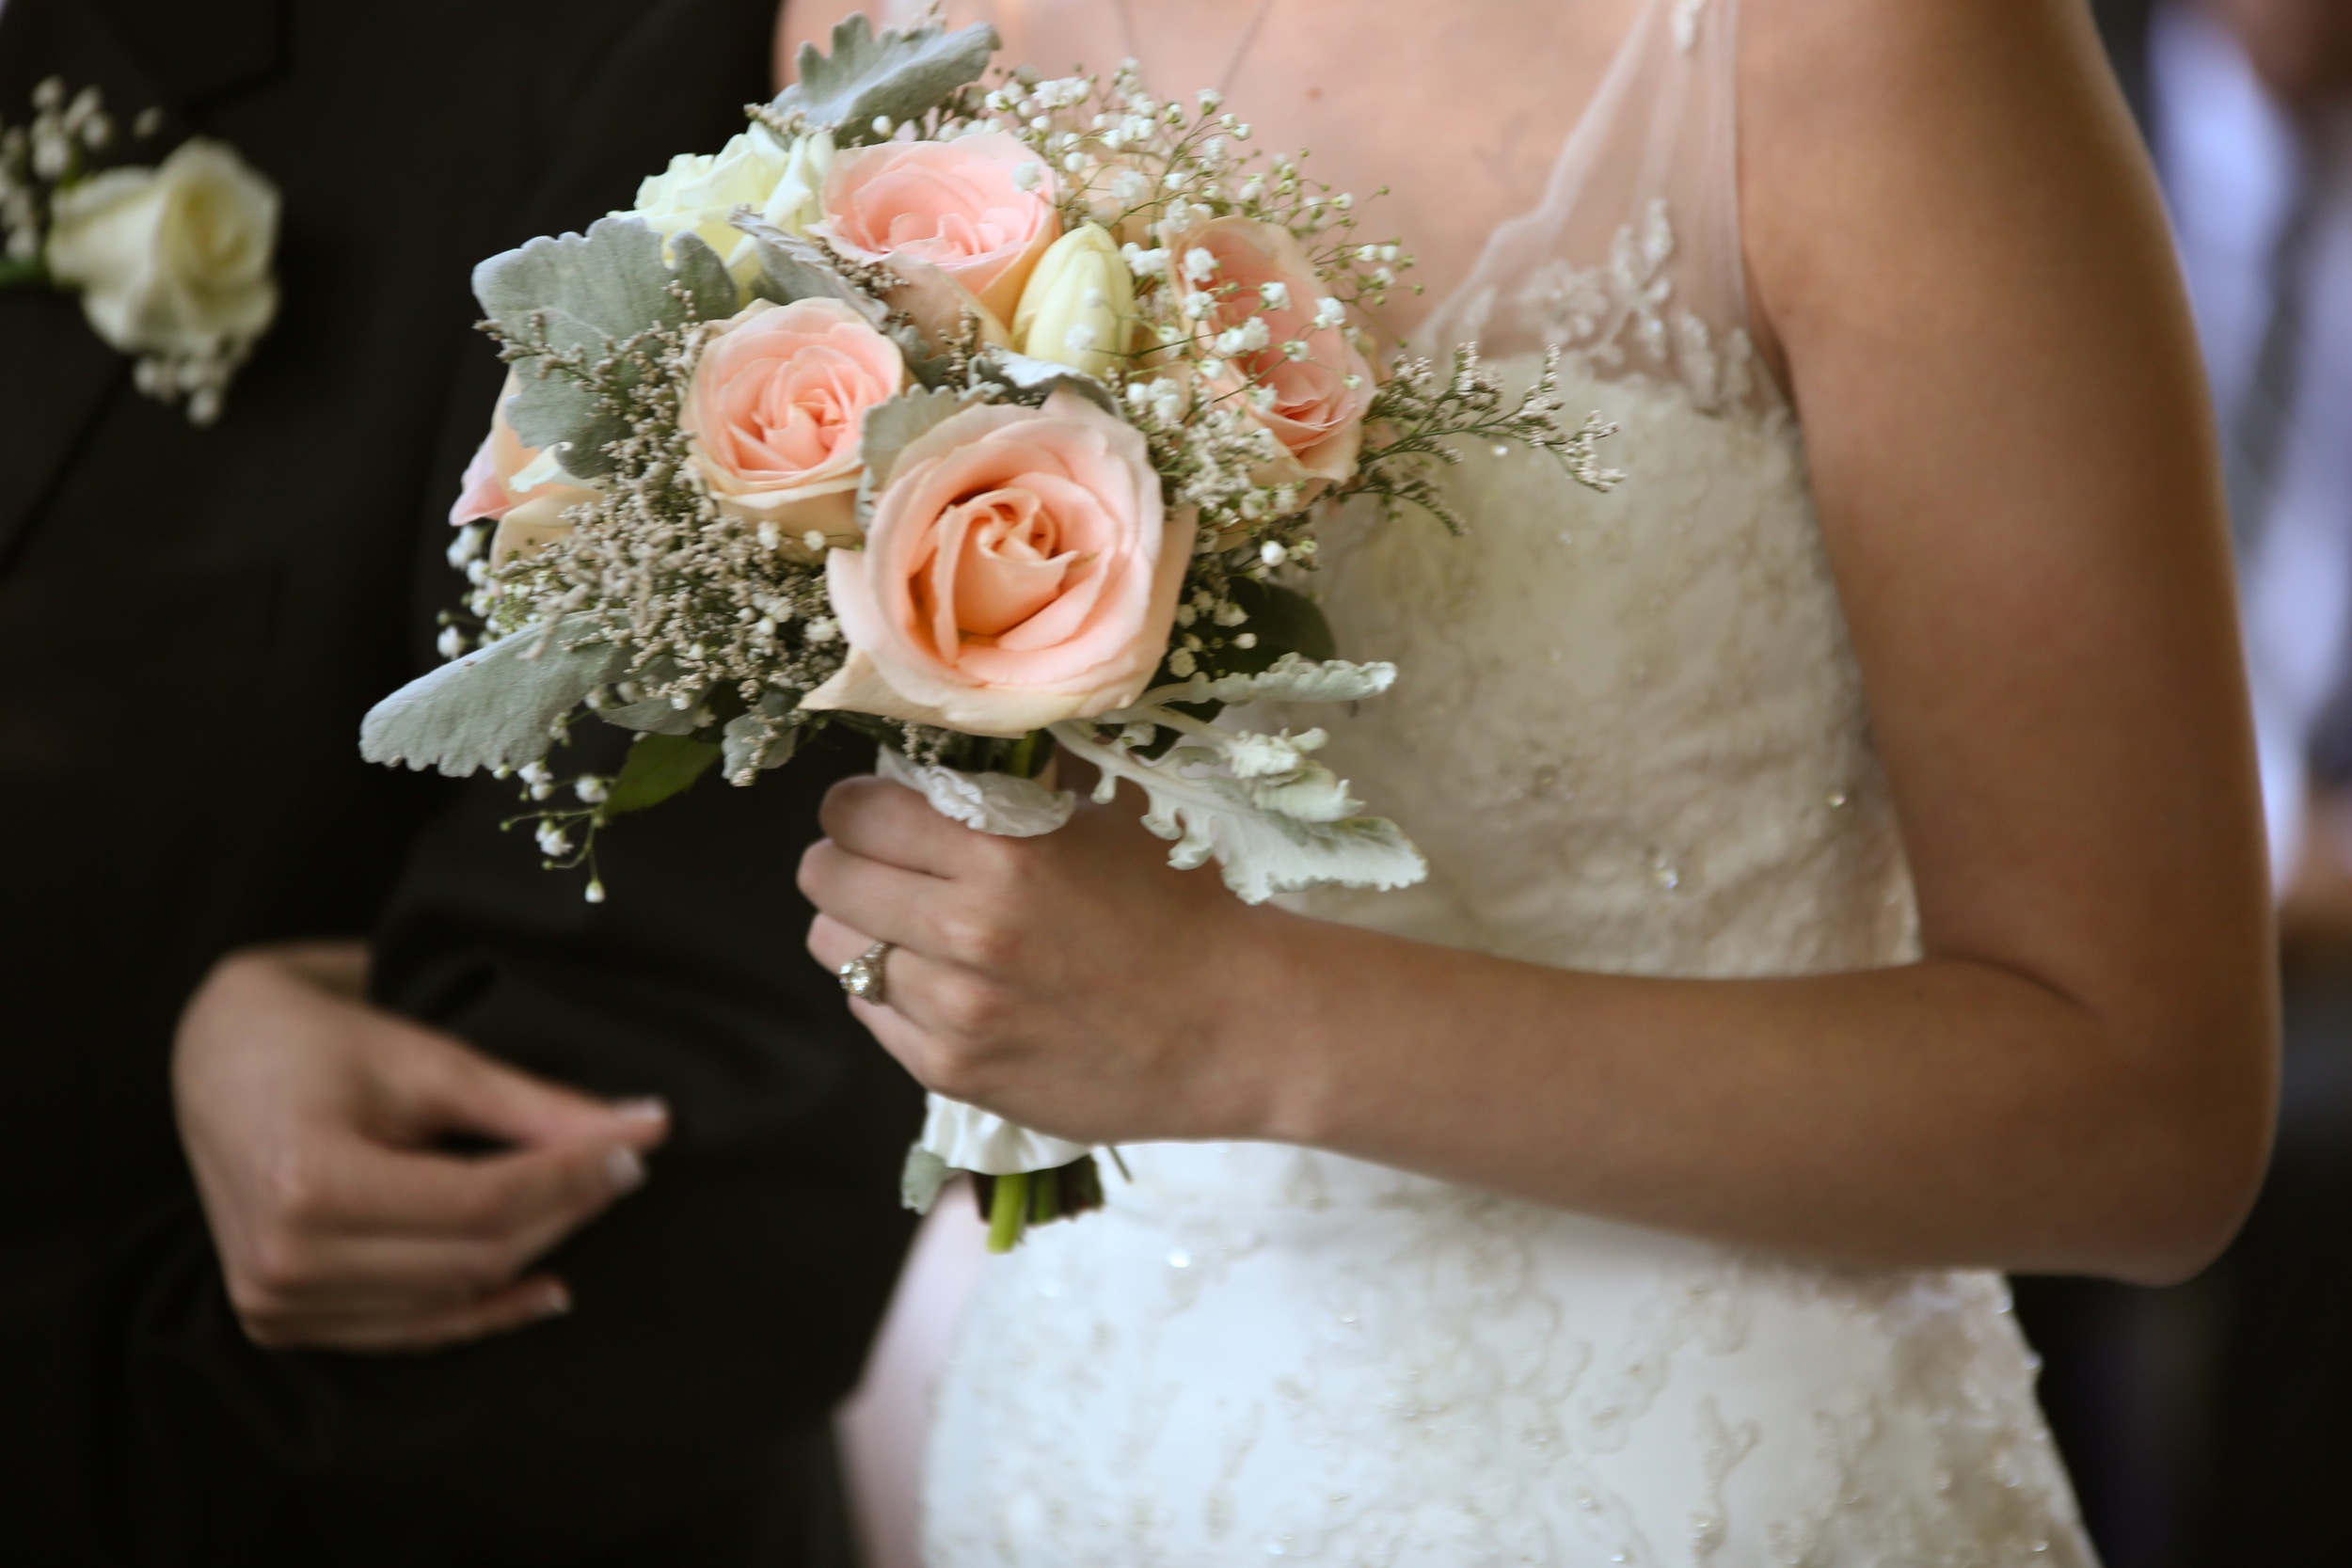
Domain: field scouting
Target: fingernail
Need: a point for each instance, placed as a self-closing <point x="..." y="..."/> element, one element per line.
<point x="622" y="1168"/>
<point x="651" y="1108"/>
<point x="553" y="1302"/>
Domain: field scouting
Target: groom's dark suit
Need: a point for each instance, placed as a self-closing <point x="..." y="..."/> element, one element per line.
<point x="191" y="623"/>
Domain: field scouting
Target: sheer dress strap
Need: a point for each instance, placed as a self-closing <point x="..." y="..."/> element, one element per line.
<point x="1632" y="264"/>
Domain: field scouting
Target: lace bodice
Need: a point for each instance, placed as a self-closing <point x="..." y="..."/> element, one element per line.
<point x="1629" y="736"/>
<point x="1628" y="733"/>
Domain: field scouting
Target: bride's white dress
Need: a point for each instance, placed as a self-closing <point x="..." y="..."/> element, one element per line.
<point x="1631" y="736"/>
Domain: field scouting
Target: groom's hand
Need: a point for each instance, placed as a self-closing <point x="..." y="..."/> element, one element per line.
<point x="320" y="1131"/>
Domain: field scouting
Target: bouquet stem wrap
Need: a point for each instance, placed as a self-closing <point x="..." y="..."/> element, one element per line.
<point x="1030" y="1177"/>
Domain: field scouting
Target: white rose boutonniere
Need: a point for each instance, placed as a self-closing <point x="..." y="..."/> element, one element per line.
<point x="172" y="262"/>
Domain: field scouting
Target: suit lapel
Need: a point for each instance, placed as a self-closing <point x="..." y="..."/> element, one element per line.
<point x="198" y="54"/>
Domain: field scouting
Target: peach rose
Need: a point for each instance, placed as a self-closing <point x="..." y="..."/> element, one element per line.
<point x="778" y="406"/>
<point x="501" y="488"/>
<point x="1316" y="416"/>
<point x="975" y="213"/>
<point x="1019" y="570"/>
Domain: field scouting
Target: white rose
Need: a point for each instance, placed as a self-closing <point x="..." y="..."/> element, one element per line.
<point x="699" y="192"/>
<point x="171" y="261"/>
<point x="1079" y="304"/>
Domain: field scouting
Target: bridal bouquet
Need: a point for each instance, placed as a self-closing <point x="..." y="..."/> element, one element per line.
<point x="992" y="415"/>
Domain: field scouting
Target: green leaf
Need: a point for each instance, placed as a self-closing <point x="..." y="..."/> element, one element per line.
<point x="659" y="767"/>
<point x="592" y="292"/>
<point x="903" y="75"/>
<point x="1284" y="620"/>
<point x="496" y="706"/>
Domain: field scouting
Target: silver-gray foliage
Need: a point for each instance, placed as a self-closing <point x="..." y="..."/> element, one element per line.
<point x="890" y="427"/>
<point x="495" y="707"/>
<point x="924" y="1175"/>
<point x="762" y="739"/>
<point x="1032" y="381"/>
<point x="903" y="75"/>
<point x="588" y="292"/>
<point x="792" y="268"/>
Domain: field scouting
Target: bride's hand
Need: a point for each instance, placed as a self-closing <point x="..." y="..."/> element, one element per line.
<point x="1072" y="982"/>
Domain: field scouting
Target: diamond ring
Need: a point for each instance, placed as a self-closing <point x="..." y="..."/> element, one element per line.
<point x="862" y="977"/>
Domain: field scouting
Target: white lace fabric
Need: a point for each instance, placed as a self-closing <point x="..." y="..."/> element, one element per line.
<point x="1629" y="736"/>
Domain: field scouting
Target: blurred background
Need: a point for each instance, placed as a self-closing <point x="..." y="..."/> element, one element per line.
<point x="2210" y="1424"/>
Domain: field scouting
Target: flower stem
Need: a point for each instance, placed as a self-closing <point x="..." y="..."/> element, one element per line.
<point x="1007" y="1213"/>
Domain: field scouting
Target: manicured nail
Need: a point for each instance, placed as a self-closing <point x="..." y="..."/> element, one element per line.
<point x="622" y="1168"/>
<point x="651" y="1108"/>
<point x="553" y="1302"/>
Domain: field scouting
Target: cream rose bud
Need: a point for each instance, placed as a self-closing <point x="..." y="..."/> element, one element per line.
<point x="700" y="192"/>
<point x="503" y="486"/>
<point x="777" y="411"/>
<point x="1019" y="570"/>
<point x="973" y="214"/>
<point x="1079" y="306"/>
<point x="1307" y="403"/>
<point x="171" y="260"/>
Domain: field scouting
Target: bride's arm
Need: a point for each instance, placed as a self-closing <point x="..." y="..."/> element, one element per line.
<point x="1960" y="252"/>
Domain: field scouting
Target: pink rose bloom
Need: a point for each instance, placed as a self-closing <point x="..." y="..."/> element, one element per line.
<point x="1318" y="417"/>
<point x="778" y="407"/>
<point x="948" y="213"/>
<point x="1019" y="570"/>
<point x="527" y="515"/>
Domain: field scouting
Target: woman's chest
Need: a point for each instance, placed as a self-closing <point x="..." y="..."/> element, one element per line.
<point x="1456" y="113"/>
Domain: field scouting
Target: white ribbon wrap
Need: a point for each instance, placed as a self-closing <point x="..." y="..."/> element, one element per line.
<point x="965" y="1137"/>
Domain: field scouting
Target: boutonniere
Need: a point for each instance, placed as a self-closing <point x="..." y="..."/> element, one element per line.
<point x="172" y="261"/>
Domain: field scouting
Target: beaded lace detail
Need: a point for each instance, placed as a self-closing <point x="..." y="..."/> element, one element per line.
<point x="1629" y="736"/>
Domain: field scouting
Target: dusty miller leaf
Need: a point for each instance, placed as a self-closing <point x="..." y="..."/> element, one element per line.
<point x="764" y="738"/>
<point x="1260" y="851"/>
<point x="496" y="706"/>
<point x="591" y="292"/>
<point x="793" y="268"/>
<point x="1291" y="678"/>
<point x="920" y="1180"/>
<point x="657" y="716"/>
<point x="903" y="75"/>
<point x="1032" y="381"/>
<point x="658" y="767"/>
<point x="888" y="430"/>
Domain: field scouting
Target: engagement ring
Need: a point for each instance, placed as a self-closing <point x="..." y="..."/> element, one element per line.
<point x="862" y="977"/>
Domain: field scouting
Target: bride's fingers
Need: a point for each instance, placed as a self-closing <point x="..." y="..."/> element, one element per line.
<point x="924" y="1005"/>
<point x="833" y="943"/>
<point x="890" y="823"/>
<point x="889" y="902"/>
